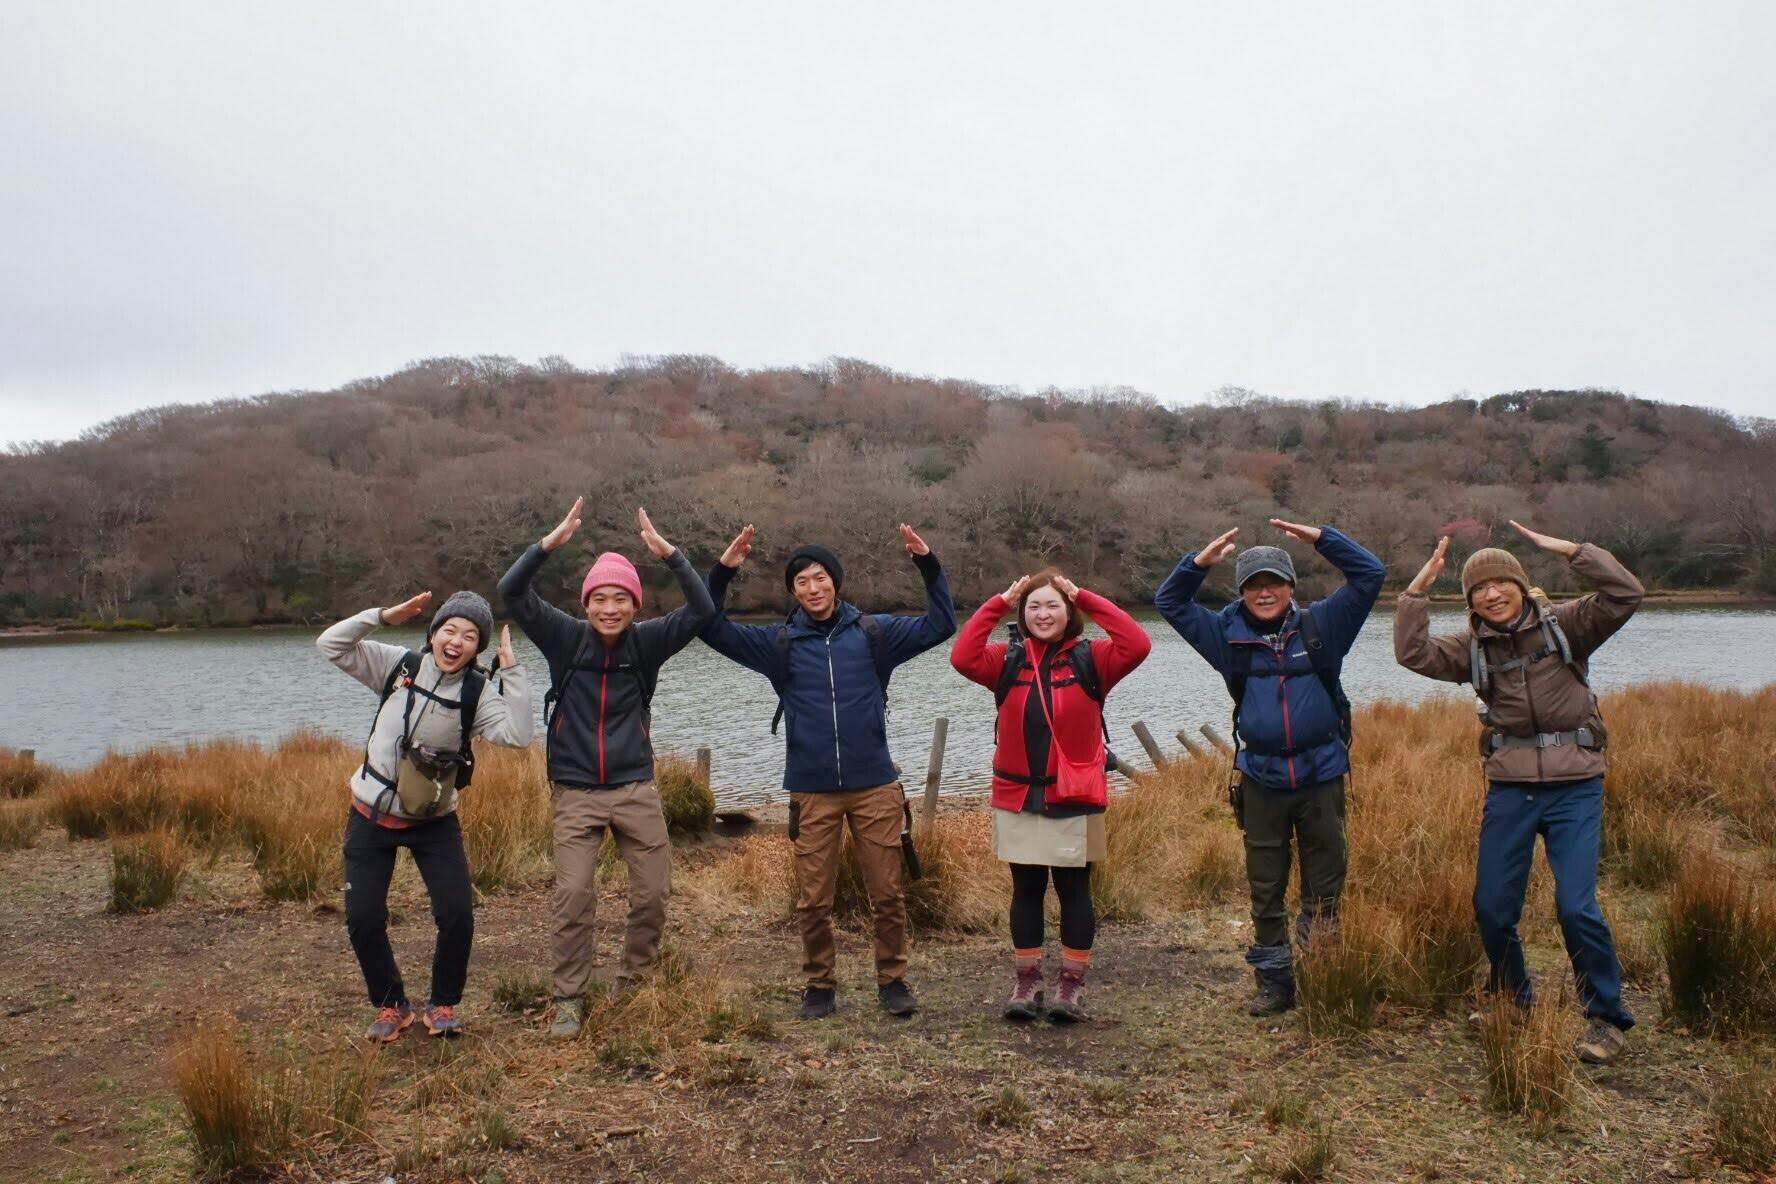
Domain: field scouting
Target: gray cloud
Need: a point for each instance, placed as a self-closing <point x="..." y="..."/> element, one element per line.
<point x="1368" y="200"/>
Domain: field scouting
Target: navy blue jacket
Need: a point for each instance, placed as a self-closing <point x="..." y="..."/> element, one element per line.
<point x="1288" y="723"/>
<point x="834" y="704"/>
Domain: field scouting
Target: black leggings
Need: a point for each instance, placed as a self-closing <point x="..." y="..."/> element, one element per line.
<point x="1029" y="888"/>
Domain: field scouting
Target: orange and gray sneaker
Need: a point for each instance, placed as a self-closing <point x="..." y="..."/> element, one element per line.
<point x="390" y="1022"/>
<point x="440" y="1020"/>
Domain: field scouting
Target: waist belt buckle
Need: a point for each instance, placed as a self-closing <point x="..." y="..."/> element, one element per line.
<point x="1549" y="740"/>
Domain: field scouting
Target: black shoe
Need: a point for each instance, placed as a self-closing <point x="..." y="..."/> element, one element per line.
<point x="896" y="998"/>
<point x="1270" y="1000"/>
<point x="817" y="1003"/>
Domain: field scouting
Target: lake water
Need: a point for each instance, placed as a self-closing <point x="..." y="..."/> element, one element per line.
<point x="73" y="697"/>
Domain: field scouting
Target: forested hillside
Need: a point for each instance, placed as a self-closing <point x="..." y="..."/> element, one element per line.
<point x="307" y="506"/>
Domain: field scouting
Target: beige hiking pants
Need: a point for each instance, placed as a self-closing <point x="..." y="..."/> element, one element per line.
<point x="632" y="814"/>
<point x="874" y="816"/>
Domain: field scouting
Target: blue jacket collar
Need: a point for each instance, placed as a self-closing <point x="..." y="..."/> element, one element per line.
<point x="801" y="626"/>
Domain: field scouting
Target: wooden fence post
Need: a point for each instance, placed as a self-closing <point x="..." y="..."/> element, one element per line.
<point x="1190" y="746"/>
<point x="1214" y="738"/>
<point x="703" y="765"/>
<point x="940" y="735"/>
<point x="1150" y="744"/>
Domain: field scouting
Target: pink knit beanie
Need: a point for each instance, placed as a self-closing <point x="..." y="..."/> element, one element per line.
<point x="612" y="569"/>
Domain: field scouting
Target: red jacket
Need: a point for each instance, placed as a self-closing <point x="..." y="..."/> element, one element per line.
<point x="1077" y="717"/>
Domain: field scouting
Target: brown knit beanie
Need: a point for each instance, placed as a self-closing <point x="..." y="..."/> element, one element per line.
<point x="1492" y="563"/>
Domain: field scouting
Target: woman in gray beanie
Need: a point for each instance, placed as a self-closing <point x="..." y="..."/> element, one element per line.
<point x="405" y="793"/>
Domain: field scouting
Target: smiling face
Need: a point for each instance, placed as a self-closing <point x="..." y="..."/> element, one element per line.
<point x="814" y="591"/>
<point x="1497" y="601"/>
<point x="1267" y="596"/>
<point x="1046" y="614"/>
<point x="610" y="609"/>
<point x="455" y="644"/>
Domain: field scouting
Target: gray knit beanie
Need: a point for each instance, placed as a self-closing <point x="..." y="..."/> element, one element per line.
<point x="471" y="607"/>
<point x="1254" y="560"/>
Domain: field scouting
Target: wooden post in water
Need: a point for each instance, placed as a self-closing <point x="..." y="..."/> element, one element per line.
<point x="30" y="754"/>
<point x="1150" y="744"/>
<point x="940" y="735"/>
<point x="703" y="765"/>
<point x="1214" y="738"/>
<point x="1190" y="746"/>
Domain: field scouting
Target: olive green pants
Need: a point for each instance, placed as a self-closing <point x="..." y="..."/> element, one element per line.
<point x="1314" y="816"/>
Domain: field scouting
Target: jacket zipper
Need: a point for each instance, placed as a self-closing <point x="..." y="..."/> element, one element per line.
<point x="832" y="684"/>
<point x="1282" y="652"/>
<point x="1535" y="726"/>
<point x="603" y="696"/>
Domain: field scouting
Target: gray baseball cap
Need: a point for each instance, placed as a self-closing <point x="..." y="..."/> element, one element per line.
<point x="1254" y="560"/>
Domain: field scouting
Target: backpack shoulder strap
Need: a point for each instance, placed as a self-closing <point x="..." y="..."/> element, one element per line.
<point x="407" y="667"/>
<point x="878" y="647"/>
<point x="552" y="698"/>
<point x="1015" y="661"/>
<point x="780" y="670"/>
<point x="1085" y="669"/>
<point x="1326" y="669"/>
<point x="474" y="683"/>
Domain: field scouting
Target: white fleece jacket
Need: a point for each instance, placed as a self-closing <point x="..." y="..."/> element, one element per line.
<point x="502" y="717"/>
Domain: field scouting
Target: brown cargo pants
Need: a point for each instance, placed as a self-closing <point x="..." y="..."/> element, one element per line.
<point x="632" y="814"/>
<point x="818" y="822"/>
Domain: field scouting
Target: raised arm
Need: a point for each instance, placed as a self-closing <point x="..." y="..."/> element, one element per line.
<point x="348" y="646"/>
<point x="975" y="656"/>
<point x="1593" y="618"/>
<point x="554" y="632"/>
<point x="753" y="646"/>
<point x="1341" y="615"/>
<point x="1128" y="644"/>
<point x="1444" y="658"/>
<point x="908" y="637"/>
<point x="504" y="717"/>
<point x="663" y="636"/>
<point x="1176" y="602"/>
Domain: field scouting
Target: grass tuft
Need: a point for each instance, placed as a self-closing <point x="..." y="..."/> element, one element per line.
<point x="1719" y="940"/>
<point x="1742" y="1118"/>
<point x="21" y="776"/>
<point x="146" y="870"/>
<point x="1341" y="975"/>
<point x="1530" y="1066"/>
<point x="20" y="824"/>
<point x="685" y="797"/>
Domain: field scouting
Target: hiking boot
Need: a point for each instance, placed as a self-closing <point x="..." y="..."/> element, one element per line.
<point x="1026" y="998"/>
<point x="390" y="1022"/>
<point x="1273" y="998"/>
<point x="896" y="998"/>
<point x="817" y="1003"/>
<point x="440" y="1020"/>
<point x="1602" y="1044"/>
<point x="1068" y="1006"/>
<point x="569" y="1015"/>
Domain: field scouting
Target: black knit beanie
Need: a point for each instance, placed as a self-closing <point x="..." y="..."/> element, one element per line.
<point x="811" y="554"/>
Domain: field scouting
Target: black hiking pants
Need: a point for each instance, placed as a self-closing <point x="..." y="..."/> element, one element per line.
<point x="1314" y="817"/>
<point x="437" y="850"/>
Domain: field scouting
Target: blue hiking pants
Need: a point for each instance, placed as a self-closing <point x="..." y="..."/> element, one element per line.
<point x="1569" y="817"/>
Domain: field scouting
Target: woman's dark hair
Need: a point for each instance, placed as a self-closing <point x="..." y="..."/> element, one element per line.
<point x="1045" y="579"/>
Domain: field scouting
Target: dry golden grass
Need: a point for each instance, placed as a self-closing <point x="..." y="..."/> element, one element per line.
<point x="1530" y="1067"/>
<point x="20" y="823"/>
<point x="1719" y="941"/>
<point x="21" y="776"/>
<point x="146" y="870"/>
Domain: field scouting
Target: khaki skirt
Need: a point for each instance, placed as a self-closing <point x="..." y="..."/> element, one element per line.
<point x="1048" y="842"/>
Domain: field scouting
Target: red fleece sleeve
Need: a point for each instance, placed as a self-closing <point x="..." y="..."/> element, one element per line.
<point x="1127" y="646"/>
<point x="972" y="656"/>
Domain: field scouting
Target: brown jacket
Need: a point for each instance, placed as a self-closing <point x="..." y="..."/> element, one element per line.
<point x="1545" y="696"/>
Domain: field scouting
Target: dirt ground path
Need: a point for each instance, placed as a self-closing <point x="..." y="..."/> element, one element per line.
<point x="1171" y="1081"/>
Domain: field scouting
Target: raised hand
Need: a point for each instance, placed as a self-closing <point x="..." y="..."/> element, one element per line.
<point x="401" y="613"/>
<point x="739" y="549"/>
<point x="1011" y="594"/>
<point x="1307" y="534"/>
<point x="1546" y="542"/>
<point x="1217" y="550"/>
<point x="507" y="659"/>
<point x="656" y="545"/>
<point x="566" y="530"/>
<point x="1427" y="575"/>
<point x="1066" y="587"/>
<point x="914" y="544"/>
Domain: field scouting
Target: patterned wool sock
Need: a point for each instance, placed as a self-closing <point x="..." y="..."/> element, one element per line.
<point x="1075" y="962"/>
<point x="1028" y="959"/>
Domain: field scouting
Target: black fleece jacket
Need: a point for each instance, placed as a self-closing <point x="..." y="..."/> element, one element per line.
<point x="598" y="736"/>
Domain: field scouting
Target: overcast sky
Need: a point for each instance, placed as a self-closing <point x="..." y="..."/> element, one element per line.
<point x="1391" y="201"/>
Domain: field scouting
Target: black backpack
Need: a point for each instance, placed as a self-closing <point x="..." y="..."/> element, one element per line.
<point x="1085" y="672"/>
<point x="872" y="632"/>
<point x="1324" y="668"/>
<point x="629" y="663"/>
<point x="474" y="682"/>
